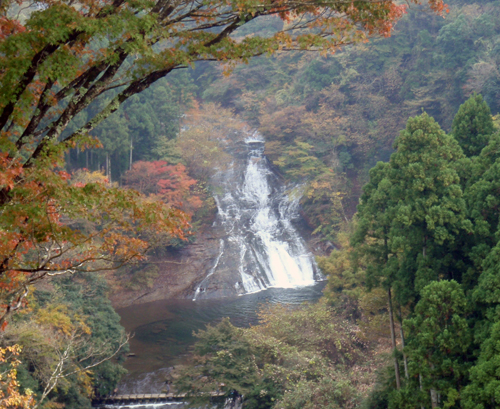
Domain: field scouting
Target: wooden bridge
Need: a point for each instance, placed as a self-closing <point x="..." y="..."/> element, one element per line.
<point x="148" y="398"/>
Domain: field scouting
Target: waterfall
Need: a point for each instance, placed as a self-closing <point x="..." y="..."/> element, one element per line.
<point x="259" y="246"/>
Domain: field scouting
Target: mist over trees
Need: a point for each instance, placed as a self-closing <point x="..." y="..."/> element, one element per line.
<point x="424" y="233"/>
<point x="107" y="147"/>
<point x="412" y="293"/>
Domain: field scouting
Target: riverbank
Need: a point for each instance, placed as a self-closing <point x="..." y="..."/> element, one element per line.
<point x="163" y="330"/>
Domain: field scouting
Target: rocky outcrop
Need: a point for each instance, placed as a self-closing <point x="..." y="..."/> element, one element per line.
<point x="256" y="240"/>
<point x="178" y="273"/>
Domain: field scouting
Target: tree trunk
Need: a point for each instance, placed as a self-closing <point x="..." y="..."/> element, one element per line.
<point x="131" y="148"/>
<point x="421" y="386"/>
<point x="405" y="360"/>
<point x="434" y="394"/>
<point x="108" y="173"/>
<point x="434" y="398"/>
<point x="393" y="339"/>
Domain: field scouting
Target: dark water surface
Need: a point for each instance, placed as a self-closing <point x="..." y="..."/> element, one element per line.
<point x="164" y="329"/>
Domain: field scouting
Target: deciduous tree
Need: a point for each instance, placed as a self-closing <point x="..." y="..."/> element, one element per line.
<point x="60" y="58"/>
<point x="50" y="226"/>
<point x="10" y="395"/>
<point x="170" y="183"/>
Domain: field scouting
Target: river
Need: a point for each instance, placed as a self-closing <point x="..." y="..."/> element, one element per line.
<point x="163" y="330"/>
<point x="262" y="259"/>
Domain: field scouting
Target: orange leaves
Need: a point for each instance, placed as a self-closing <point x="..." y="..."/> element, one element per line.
<point x="10" y="395"/>
<point x="170" y="183"/>
<point x="51" y="226"/>
<point x="10" y="170"/>
<point x="10" y="27"/>
<point x="395" y="12"/>
<point x="64" y="175"/>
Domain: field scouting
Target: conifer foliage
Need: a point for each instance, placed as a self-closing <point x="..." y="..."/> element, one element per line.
<point x="473" y="125"/>
<point x="59" y="58"/>
<point x="427" y="228"/>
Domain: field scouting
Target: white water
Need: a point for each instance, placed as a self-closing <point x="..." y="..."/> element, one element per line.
<point x="259" y="246"/>
<point x="162" y="405"/>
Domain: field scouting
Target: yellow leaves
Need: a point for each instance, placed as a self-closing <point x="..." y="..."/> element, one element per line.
<point x="82" y="177"/>
<point x="496" y="121"/>
<point x="10" y="395"/>
<point x="59" y="318"/>
<point x="85" y="381"/>
<point x="207" y="131"/>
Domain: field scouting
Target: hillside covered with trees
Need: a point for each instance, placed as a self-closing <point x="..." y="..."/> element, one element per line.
<point x="112" y="117"/>
<point x="418" y="268"/>
<point x="326" y="119"/>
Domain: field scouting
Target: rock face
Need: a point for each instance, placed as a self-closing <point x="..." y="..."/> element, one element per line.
<point x="178" y="273"/>
<point x="253" y="243"/>
<point x="259" y="246"/>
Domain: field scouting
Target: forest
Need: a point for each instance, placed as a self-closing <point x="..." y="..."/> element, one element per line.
<point x="419" y="258"/>
<point x="113" y="119"/>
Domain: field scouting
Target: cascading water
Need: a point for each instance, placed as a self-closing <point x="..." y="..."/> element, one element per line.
<point x="259" y="246"/>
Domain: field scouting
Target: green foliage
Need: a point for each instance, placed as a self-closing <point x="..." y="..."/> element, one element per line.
<point x="425" y="182"/>
<point x="147" y="124"/>
<point x="142" y="277"/>
<point x="349" y="107"/>
<point x="222" y="356"/>
<point x="427" y="226"/>
<point x="411" y="211"/>
<point x="473" y="125"/>
<point x="336" y="340"/>
<point x="346" y="279"/>
<point x="484" y="389"/>
<point x="438" y="339"/>
<point x="296" y="357"/>
<point x="79" y="321"/>
<point x="298" y="162"/>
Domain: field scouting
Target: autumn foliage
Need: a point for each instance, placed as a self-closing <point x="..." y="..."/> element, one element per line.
<point x="170" y="183"/>
<point x="52" y="71"/>
<point x="66" y="67"/>
<point x="52" y="226"/>
<point x="10" y="395"/>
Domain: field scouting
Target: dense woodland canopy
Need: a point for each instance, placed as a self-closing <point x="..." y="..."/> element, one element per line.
<point x="104" y="156"/>
<point x="420" y="258"/>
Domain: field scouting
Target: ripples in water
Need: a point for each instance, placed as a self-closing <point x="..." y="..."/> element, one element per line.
<point x="163" y="330"/>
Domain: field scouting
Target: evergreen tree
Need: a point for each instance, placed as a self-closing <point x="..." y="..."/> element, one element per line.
<point x="410" y="214"/>
<point x="486" y="296"/>
<point x="439" y="337"/>
<point x="372" y="239"/>
<point x="430" y="211"/>
<point x="487" y="157"/>
<point x="484" y="390"/>
<point x="472" y="125"/>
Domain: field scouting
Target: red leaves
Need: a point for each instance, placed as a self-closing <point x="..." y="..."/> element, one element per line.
<point x="171" y="183"/>
<point x="64" y="175"/>
<point x="9" y="27"/>
<point x="49" y="226"/>
<point x="10" y="170"/>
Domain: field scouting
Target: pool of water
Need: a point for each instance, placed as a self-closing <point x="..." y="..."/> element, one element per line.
<point x="163" y="330"/>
